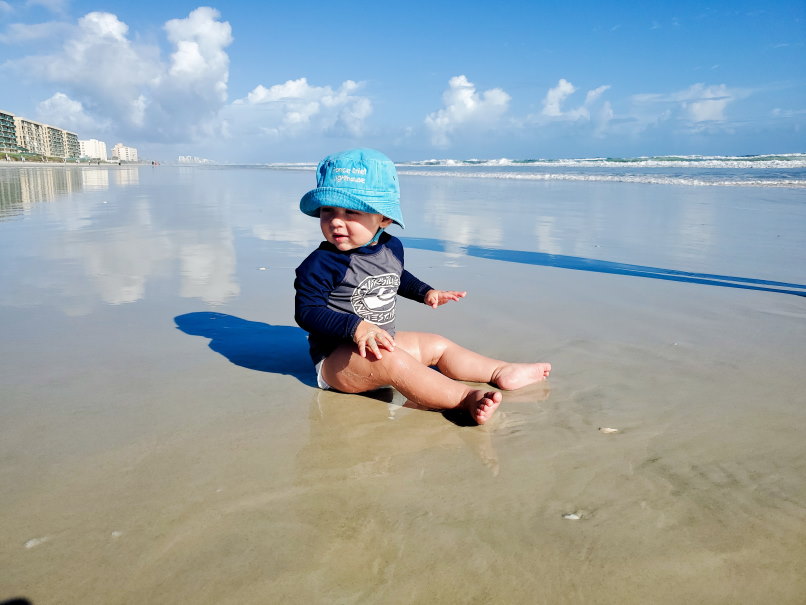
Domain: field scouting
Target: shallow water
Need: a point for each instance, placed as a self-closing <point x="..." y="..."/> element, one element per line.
<point x="161" y="440"/>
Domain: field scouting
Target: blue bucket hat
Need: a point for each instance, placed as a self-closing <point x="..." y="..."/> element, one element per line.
<point x="358" y="179"/>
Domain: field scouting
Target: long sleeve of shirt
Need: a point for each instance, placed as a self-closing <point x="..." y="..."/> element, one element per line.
<point x="316" y="279"/>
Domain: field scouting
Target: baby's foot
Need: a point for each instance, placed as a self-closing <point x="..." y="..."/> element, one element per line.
<point x="481" y="405"/>
<point x="512" y="376"/>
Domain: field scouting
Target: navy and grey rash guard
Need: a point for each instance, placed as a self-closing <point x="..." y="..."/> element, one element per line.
<point x="336" y="290"/>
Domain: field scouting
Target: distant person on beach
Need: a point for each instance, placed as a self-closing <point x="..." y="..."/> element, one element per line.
<point x="346" y="292"/>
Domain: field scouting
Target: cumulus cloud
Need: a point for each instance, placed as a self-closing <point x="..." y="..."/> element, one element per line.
<point x="296" y="107"/>
<point x="127" y="84"/>
<point x="706" y="103"/>
<point x="699" y="104"/>
<point x="195" y="83"/>
<point x="65" y="112"/>
<point x="465" y="108"/>
<point x="200" y="61"/>
<point x="555" y="98"/>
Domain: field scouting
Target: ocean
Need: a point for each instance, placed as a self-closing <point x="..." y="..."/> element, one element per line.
<point x="775" y="170"/>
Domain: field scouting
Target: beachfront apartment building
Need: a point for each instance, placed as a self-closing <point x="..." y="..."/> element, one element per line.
<point x="31" y="135"/>
<point x="124" y="153"/>
<point x="71" y="147"/>
<point x="21" y="135"/>
<point x="35" y="137"/>
<point x="8" y="133"/>
<point x="93" y="149"/>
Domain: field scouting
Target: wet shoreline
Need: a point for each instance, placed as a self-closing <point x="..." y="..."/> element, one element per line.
<point x="147" y="459"/>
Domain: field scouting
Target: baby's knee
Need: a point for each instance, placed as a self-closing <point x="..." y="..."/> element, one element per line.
<point x="394" y="368"/>
<point x="432" y="347"/>
<point x="394" y="363"/>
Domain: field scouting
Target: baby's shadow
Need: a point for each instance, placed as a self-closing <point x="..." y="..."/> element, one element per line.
<point x="252" y="344"/>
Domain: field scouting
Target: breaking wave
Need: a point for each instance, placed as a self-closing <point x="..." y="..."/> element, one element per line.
<point x="774" y="161"/>
<point x="614" y="178"/>
<point x="776" y="170"/>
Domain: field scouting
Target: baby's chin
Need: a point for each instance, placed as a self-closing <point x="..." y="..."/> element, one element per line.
<point x="342" y="243"/>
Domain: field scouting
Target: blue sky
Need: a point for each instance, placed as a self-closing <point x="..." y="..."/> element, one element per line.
<point x="269" y="82"/>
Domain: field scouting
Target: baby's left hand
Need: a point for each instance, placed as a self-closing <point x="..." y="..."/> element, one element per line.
<point x="435" y="298"/>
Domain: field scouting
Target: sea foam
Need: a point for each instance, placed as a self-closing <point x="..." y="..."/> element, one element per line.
<point x="613" y="178"/>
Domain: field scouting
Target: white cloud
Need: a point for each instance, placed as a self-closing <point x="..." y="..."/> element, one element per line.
<point x="593" y="95"/>
<point x="697" y="104"/>
<point x="5" y="7"/>
<point x="126" y="84"/>
<point x="100" y="66"/>
<point x="296" y="107"/>
<point x="200" y="60"/>
<point x="63" y="111"/>
<point x="603" y="119"/>
<point x="194" y="84"/>
<point x="465" y="107"/>
<point x="706" y="103"/>
<point x="555" y="97"/>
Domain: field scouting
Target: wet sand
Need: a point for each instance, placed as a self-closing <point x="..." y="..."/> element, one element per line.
<point x="161" y="440"/>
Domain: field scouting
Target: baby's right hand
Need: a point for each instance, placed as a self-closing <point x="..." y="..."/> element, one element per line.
<point x="435" y="298"/>
<point x="370" y="337"/>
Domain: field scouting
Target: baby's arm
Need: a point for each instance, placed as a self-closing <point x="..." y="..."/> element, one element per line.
<point x="435" y="298"/>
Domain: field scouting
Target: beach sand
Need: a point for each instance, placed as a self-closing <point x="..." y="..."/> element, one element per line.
<point x="161" y="440"/>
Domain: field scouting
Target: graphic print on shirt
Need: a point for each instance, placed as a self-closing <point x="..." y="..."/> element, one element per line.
<point x="374" y="298"/>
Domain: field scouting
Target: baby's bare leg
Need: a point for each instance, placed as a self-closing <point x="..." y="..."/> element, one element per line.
<point x="463" y="364"/>
<point x="347" y="371"/>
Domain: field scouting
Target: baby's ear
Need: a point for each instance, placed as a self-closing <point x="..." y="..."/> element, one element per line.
<point x="386" y="222"/>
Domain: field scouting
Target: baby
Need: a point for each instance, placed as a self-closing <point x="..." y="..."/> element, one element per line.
<point x="346" y="293"/>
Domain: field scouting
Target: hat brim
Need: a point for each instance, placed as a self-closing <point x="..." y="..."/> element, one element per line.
<point x="312" y="201"/>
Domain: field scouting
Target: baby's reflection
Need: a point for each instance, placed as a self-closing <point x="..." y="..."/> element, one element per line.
<point x="369" y="433"/>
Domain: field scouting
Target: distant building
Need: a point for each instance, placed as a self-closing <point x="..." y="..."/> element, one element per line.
<point x="192" y="159"/>
<point x="57" y="142"/>
<point x="73" y="148"/>
<point x="31" y="136"/>
<point x="93" y="149"/>
<point x="123" y="153"/>
<point x="35" y="137"/>
<point x="8" y="133"/>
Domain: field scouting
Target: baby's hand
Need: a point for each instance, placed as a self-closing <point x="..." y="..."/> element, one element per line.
<point x="435" y="298"/>
<point x="370" y="337"/>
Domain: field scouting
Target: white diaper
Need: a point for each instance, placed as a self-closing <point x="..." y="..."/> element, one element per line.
<point x="320" y="382"/>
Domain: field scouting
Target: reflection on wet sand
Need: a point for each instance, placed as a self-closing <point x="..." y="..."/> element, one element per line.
<point x="126" y="175"/>
<point x="95" y="179"/>
<point x="23" y="187"/>
<point x="110" y="248"/>
<point x="339" y="420"/>
<point x="20" y="188"/>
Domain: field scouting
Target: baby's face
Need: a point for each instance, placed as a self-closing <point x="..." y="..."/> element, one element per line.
<point x="349" y="229"/>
